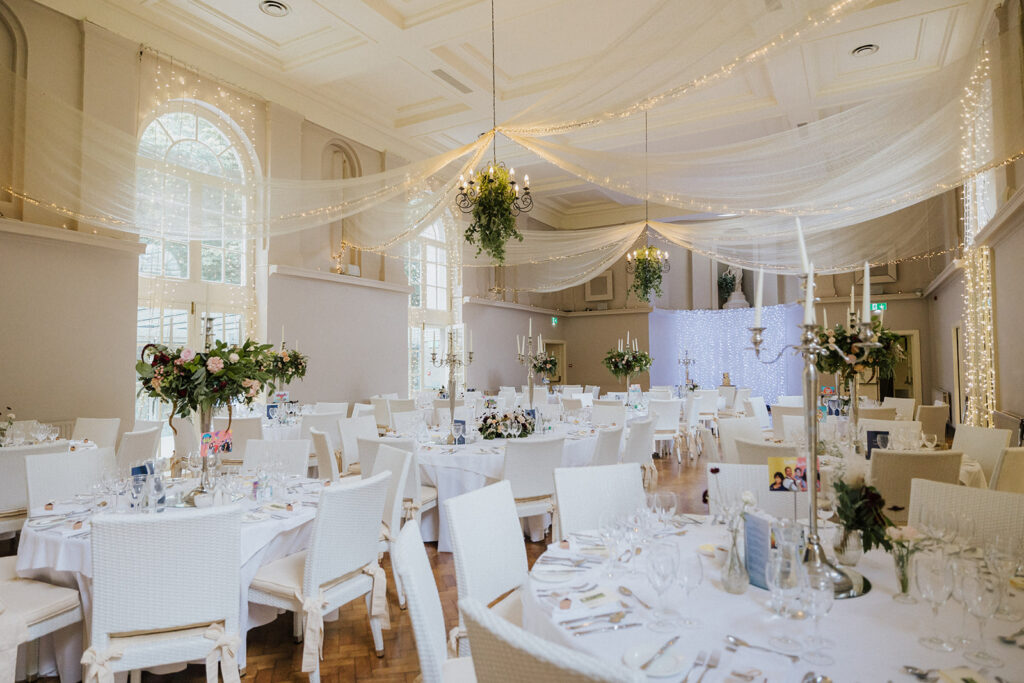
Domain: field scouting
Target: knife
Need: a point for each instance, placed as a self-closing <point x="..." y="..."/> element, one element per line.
<point x="670" y="643"/>
<point x="615" y="627"/>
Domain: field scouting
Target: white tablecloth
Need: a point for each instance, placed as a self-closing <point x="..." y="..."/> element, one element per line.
<point x="455" y="470"/>
<point x="52" y="556"/>
<point x="875" y="636"/>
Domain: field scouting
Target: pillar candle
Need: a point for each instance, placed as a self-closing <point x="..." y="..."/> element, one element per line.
<point x="809" y="297"/>
<point x="759" y="297"/>
<point x="866" y="315"/>
<point x="804" y="263"/>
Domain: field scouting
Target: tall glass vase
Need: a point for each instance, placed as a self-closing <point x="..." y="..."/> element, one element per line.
<point x="853" y="426"/>
<point x="735" y="578"/>
<point x="205" y="485"/>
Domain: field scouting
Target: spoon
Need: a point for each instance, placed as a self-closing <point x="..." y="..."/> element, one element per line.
<point x="630" y="594"/>
<point x="739" y="642"/>
<point x="921" y="674"/>
<point x="612" y="619"/>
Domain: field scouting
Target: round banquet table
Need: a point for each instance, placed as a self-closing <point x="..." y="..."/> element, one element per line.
<point x="455" y="470"/>
<point x="874" y="635"/>
<point x="63" y="556"/>
<point x="281" y="431"/>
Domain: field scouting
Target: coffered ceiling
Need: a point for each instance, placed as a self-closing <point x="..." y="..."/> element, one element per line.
<point x="414" y="76"/>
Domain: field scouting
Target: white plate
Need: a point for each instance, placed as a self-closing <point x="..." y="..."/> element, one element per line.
<point x="670" y="663"/>
<point x="553" y="575"/>
<point x="255" y="516"/>
<point x="46" y="522"/>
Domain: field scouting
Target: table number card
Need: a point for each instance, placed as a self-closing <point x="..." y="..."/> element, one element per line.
<point x="757" y="543"/>
<point x="461" y="441"/>
<point x="532" y="414"/>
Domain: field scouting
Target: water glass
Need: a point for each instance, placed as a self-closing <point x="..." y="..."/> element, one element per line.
<point x="156" y="493"/>
<point x="665" y="506"/>
<point x="935" y="583"/>
<point x="662" y="562"/>
<point x="930" y="440"/>
<point x="691" y="575"/>
<point x="981" y="594"/>
<point x="137" y="488"/>
<point x="820" y="598"/>
<point x="515" y="427"/>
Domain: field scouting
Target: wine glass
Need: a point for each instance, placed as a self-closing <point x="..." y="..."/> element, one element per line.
<point x="691" y="574"/>
<point x="772" y="572"/>
<point x="1001" y="558"/>
<point x="665" y="506"/>
<point x="820" y="598"/>
<point x="195" y="462"/>
<point x="662" y="567"/>
<point x="935" y="583"/>
<point x="608" y="531"/>
<point x="930" y="440"/>
<point x="981" y="594"/>
<point x="120" y="489"/>
<point x="962" y="568"/>
<point x="515" y="427"/>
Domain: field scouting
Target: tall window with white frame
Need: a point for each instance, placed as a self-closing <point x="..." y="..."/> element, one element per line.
<point x="194" y="172"/>
<point x="430" y="308"/>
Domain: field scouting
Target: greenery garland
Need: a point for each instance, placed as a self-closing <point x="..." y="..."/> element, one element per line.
<point x="493" y="221"/>
<point x="627" y="363"/>
<point x="646" y="274"/>
<point x="881" y="361"/>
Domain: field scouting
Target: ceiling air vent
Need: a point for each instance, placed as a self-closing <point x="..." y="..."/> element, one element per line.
<point x="864" y="50"/>
<point x="274" y="8"/>
<point x="452" y="81"/>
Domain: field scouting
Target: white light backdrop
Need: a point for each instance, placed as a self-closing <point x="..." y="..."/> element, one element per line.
<point x="719" y="341"/>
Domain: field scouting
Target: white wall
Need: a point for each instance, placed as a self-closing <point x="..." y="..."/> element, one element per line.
<point x="945" y="308"/>
<point x="494" y="327"/>
<point x="67" y="324"/>
<point x="354" y="332"/>
<point x="1008" y="314"/>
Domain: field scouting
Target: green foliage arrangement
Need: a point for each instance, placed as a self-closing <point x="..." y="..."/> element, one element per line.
<point x="646" y="274"/>
<point x="726" y="284"/>
<point x="493" y="224"/>
<point x="880" y="361"/>
<point x="627" y="363"/>
<point x="861" y="507"/>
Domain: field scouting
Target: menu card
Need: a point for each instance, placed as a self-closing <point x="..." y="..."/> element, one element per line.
<point x="461" y="441"/>
<point x="757" y="544"/>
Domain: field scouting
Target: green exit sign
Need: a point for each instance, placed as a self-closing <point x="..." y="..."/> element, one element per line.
<point x="879" y="306"/>
<point x="554" y="320"/>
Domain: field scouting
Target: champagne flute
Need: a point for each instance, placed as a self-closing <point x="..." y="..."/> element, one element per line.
<point x="935" y="583"/>
<point x="1001" y="558"/>
<point x="662" y="562"/>
<point x="691" y="574"/>
<point x="982" y="595"/>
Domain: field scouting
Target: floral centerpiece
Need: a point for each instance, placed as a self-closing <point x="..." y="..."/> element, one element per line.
<point x="498" y="426"/>
<point x="283" y="366"/>
<point x="5" y="425"/>
<point x="625" y="364"/>
<point x="861" y="512"/>
<point x="494" y="222"/>
<point x="842" y="349"/>
<point x="546" y="365"/>
<point x="903" y="543"/>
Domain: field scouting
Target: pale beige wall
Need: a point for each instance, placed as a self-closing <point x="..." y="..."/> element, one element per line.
<point x="494" y="348"/>
<point x="1008" y="315"/>
<point x="588" y="338"/>
<point x="945" y="307"/>
<point x="67" y="325"/>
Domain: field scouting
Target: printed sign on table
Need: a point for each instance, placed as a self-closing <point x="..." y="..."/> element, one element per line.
<point x="216" y="442"/>
<point x="787" y="474"/>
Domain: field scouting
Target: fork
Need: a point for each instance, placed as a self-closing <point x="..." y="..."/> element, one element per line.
<point x="711" y="663"/>
<point x="702" y="657"/>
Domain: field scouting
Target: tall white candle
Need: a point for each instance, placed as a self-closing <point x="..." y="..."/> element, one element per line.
<point x="809" y="297"/>
<point x="282" y="328"/>
<point x="635" y="347"/>
<point x="866" y="315"/>
<point x="759" y="297"/>
<point x="804" y="263"/>
<point x="540" y="343"/>
<point x="627" y="339"/>
<point x="531" y="328"/>
<point x="620" y="344"/>
<point x="471" y="341"/>
<point x="824" y="312"/>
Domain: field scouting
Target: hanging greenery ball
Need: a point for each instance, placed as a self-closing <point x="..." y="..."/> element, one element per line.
<point x="493" y="224"/>
<point x="646" y="273"/>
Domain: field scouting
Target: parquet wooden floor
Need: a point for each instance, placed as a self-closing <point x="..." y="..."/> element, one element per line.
<point x="348" y="648"/>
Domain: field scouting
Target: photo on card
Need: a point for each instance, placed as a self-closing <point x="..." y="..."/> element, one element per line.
<point x="787" y="474"/>
<point x="216" y="442"/>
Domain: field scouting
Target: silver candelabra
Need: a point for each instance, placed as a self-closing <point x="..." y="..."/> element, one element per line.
<point x="846" y="582"/>
<point x="530" y="359"/>
<point x="686" y="362"/>
<point x="453" y="360"/>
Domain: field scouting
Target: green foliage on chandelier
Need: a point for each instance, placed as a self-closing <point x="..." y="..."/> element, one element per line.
<point x="627" y="363"/>
<point x="880" y="361"/>
<point x="646" y="274"/>
<point x="726" y="284"/>
<point x="493" y="222"/>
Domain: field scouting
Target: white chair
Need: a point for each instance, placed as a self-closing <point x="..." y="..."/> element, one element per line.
<point x="606" y="450"/>
<point x="739" y="402"/>
<point x="666" y="414"/>
<point x="611" y="399"/>
<point x="399" y="405"/>
<point x="437" y="663"/>
<point x="186" y="438"/>
<point x="339" y="566"/>
<point x="350" y="431"/>
<point x="706" y="405"/>
<point x="732" y="428"/>
<point x="729" y="483"/>
<point x="691" y="411"/>
<point x="1009" y="471"/>
<point x="658" y="395"/>
<point x="982" y="444"/>
<point x="326" y="460"/>
<point x="608" y="416"/>
<point x="36" y="609"/>
<point x="933" y="420"/>
<point x="757" y="452"/>
<point x="708" y="445"/>
<point x="399" y="463"/>
<point x="529" y="467"/>
<point x="755" y="407"/>
<point x="136" y="448"/>
<point x="638" y="449"/>
<point x="407" y="423"/>
<point x="586" y="493"/>
<point x="571" y="389"/>
<point x="13" y="488"/>
<point x="505" y="653"/>
<point x="243" y="429"/>
<point x="727" y="394"/>
<point x="489" y="552"/>
<point x="186" y="619"/>
<point x="662" y="387"/>
<point x="101" y="431"/>
<point x="790" y="401"/>
<point x="586" y="399"/>
<point x="417" y="497"/>
<point x="142" y="425"/>
<point x="380" y="411"/>
<point x="328" y="423"/>
<point x="59" y="476"/>
<point x="891" y="472"/>
<point x="327" y="407"/>
<point x="363" y="410"/>
<point x="293" y="454"/>
<point x="876" y="413"/>
<point x="904" y="406"/>
<point x="995" y="513"/>
<point x="593" y="390"/>
<point x="572" y="406"/>
<point x="779" y="413"/>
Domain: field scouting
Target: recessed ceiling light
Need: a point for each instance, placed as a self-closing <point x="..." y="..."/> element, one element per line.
<point x="274" y="8"/>
<point x="864" y="50"/>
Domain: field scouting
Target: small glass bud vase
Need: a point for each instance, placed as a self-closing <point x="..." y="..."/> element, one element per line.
<point x="902" y="557"/>
<point x="848" y="546"/>
<point x="735" y="578"/>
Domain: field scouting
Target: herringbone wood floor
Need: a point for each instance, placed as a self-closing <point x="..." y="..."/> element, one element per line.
<point x="348" y="648"/>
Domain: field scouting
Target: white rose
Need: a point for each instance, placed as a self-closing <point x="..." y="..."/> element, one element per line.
<point x="233" y="357"/>
<point x="748" y="499"/>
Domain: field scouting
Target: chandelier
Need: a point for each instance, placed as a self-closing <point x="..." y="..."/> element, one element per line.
<point x="648" y="257"/>
<point x="470" y="191"/>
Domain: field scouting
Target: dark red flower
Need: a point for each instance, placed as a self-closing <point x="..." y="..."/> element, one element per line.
<point x="715" y="470"/>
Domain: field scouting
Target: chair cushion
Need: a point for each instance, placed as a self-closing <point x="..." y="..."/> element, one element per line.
<point x="282" y="577"/>
<point x="428" y="493"/>
<point x="33" y="601"/>
<point x="510" y="607"/>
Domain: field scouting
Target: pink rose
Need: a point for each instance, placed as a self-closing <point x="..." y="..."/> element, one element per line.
<point x="187" y="354"/>
<point x="215" y="364"/>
